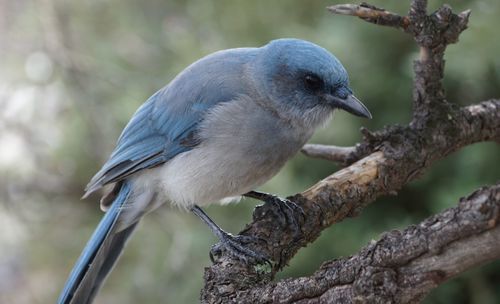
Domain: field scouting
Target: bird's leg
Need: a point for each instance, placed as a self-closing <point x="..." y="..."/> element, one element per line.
<point x="234" y="245"/>
<point x="285" y="210"/>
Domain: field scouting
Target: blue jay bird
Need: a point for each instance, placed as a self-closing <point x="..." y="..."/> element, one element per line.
<point x="221" y="128"/>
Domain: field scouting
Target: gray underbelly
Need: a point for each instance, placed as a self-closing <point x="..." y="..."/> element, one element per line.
<point x="211" y="173"/>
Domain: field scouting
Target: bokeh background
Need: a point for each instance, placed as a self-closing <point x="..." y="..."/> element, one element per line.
<point x="73" y="72"/>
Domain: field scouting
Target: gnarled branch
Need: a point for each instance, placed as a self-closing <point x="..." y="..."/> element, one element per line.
<point x="381" y="164"/>
<point x="403" y="266"/>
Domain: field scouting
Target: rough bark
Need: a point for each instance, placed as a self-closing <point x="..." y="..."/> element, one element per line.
<point x="403" y="266"/>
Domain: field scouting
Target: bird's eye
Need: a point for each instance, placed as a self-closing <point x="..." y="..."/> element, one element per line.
<point x="313" y="82"/>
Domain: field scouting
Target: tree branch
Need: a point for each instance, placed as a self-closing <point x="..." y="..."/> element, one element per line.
<point x="371" y="14"/>
<point x="432" y="34"/>
<point x="381" y="164"/>
<point x="403" y="266"/>
<point x="332" y="153"/>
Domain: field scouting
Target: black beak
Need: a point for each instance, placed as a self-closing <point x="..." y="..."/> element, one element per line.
<point x="350" y="104"/>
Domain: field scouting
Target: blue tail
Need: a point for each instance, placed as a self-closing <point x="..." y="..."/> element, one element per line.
<point x="98" y="256"/>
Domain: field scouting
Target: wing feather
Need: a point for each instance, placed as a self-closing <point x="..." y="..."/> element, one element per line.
<point x="166" y="124"/>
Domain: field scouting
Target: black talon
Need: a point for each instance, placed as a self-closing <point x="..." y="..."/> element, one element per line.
<point x="234" y="245"/>
<point x="285" y="210"/>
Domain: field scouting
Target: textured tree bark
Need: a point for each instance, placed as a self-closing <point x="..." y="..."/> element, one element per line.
<point x="403" y="266"/>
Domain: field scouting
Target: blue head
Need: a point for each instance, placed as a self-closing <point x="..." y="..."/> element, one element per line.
<point x="305" y="77"/>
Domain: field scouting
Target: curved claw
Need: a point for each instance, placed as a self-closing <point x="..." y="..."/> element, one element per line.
<point x="236" y="247"/>
<point x="287" y="211"/>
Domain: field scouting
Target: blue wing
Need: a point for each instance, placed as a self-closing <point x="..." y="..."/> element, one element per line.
<point x="166" y="124"/>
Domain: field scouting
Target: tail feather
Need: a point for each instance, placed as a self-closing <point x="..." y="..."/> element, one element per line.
<point x="101" y="266"/>
<point x="98" y="256"/>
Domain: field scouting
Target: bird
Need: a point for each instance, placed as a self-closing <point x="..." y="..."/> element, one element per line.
<point x="221" y="128"/>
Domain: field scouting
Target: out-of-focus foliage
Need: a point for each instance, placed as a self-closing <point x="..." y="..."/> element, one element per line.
<point x="73" y="72"/>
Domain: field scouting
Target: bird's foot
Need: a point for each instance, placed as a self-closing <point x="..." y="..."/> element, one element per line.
<point x="237" y="247"/>
<point x="286" y="211"/>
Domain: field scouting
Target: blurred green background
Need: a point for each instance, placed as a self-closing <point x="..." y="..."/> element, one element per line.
<point x="73" y="72"/>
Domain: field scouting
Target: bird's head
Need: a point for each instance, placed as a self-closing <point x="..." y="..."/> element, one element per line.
<point x="304" y="77"/>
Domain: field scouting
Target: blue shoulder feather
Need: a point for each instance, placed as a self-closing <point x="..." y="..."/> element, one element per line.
<point x="166" y="124"/>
